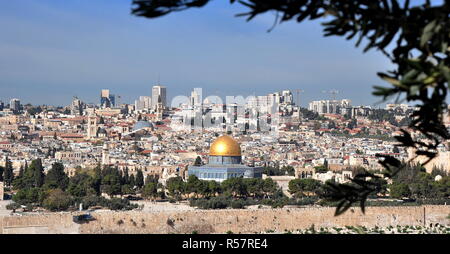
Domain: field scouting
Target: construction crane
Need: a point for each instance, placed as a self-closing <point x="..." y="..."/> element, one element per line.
<point x="333" y="93"/>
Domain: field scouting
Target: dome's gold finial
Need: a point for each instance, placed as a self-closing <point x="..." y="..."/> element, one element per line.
<point x="225" y="146"/>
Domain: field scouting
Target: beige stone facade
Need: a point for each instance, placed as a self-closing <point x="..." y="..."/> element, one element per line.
<point x="442" y="160"/>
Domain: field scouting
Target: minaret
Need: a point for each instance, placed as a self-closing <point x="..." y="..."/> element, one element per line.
<point x="105" y="155"/>
<point x="159" y="109"/>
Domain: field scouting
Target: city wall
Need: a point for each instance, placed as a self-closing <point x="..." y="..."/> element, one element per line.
<point x="222" y="221"/>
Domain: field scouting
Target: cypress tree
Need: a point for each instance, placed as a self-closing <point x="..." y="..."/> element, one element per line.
<point x="120" y="176"/>
<point x="126" y="176"/>
<point x="2" y="169"/>
<point x="198" y="161"/>
<point x="21" y="171"/>
<point x="38" y="173"/>
<point x="139" y="179"/>
<point x="8" y="174"/>
<point x="132" y="181"/>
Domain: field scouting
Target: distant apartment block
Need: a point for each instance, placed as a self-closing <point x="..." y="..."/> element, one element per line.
<point x="329" y="106"/>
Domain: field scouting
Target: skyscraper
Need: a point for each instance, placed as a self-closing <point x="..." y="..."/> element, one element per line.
<point x="14" y="105"/>
<point x="158" y="91"/>
<point x="76" y="108"/>
<point x="107" y="100"/>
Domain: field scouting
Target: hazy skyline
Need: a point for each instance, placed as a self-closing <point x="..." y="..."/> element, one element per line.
<point x="54" y="50"/>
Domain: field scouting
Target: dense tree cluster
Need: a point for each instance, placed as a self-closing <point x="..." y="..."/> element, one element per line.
<point x="34" y="110"/>
<point x="322" y="168"/>
<point x="304" y="187"/>
<point x="55" y="191"/>
<point x="310" y="115"/>
<point x="233" y="192"/>
<point x="382" y="115"/>
<point x="277" y="171"/>
<point x="414" y="182"/>
<point x="233" y="187"/>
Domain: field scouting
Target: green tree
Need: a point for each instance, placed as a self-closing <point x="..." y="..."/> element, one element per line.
<point x="139" y="179"/>
<point x="325" y="164"/>
<point x="308" y="114"/>
<point x="56" y="178"/>
<point x="176" y="187"/>
<point x="234" y="186"/>
<point x="198" y="161"/>
<point x="269" y="187"/>
<point x="150" y="190"/>
<point x="110" y="183"/>
<point x="399" y="190"/>
<point x="194" y="185"/>
<point x="304" y="187"/>
<point x="8" y="172"/>
<point x="321" y="169"/>
<point x="126" y="176"/>
<point x="254" y="186"/>
<point x="34" y="110"/>
<point x="22" y="170"/>
<point x="37" y="172"/>
<point x="288" y="170"/>
<point x="57" y="200"/>
<point x="81" y="185"/>
<point x="151" y="179"/>
<point x="27" y="196"/>
<point x="132" y="181"/>
<point x="2" y="169"/>
<point x="213" y="188"/>
<point x="32" y="176"/>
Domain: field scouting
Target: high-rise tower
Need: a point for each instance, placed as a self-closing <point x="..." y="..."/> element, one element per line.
<point x="159" y="91"/>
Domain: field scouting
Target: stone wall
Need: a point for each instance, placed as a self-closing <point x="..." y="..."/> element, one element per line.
<point x="221" y="221"/>
<point x="54" y="223"/>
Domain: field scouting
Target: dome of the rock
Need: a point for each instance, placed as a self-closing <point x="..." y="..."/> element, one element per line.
<point x="225" y="146"/>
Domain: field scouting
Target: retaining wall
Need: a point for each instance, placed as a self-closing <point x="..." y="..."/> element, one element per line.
<point x="221" y="221"/>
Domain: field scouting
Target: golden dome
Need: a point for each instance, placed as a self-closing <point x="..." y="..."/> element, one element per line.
<point x="225" y="146"/>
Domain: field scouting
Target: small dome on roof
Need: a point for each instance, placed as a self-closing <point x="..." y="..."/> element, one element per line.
<point x="141" y="125"/>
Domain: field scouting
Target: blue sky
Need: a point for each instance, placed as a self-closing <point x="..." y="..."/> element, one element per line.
<point x="51" y="50"/>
